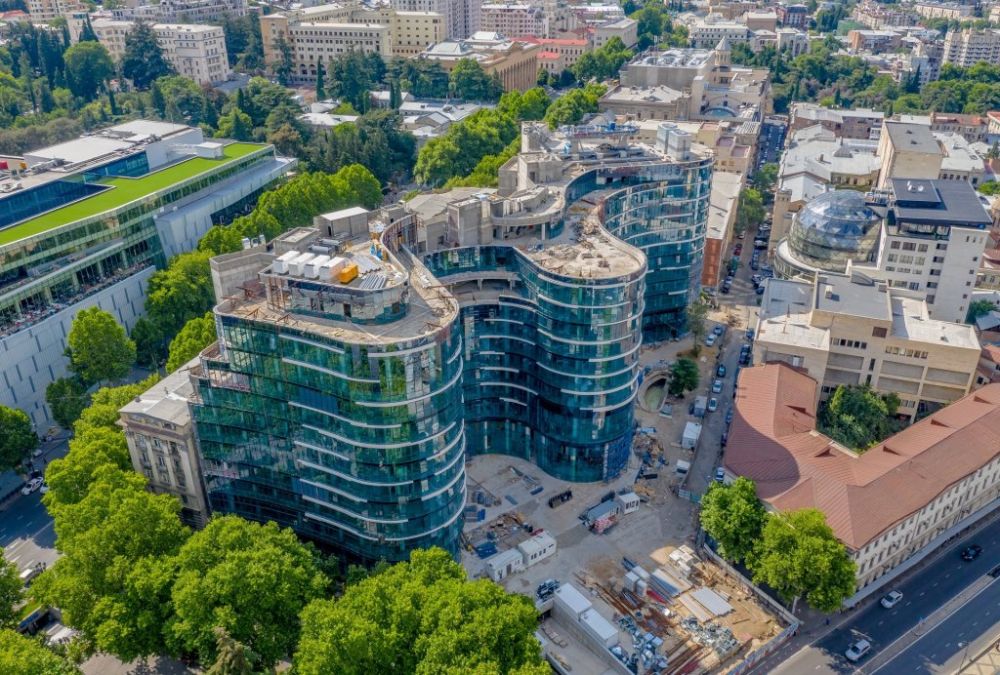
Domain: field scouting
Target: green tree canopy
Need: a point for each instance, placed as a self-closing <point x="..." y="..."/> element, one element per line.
<point x="734" y="517"/>
<point x="798" y="556"/>
<point x="469" y="82"/>
<point x="197" y="334"/>
<point x="571" y="107"/>
<point x="683" y="377"/>
<point x="99" y="349"/>
<point x="67" y="398"/>
<point x="750" y="210"/>
<point x="21" y="655"/>
<point x="252" y="580"/>
<point x="602" y="63"/>
<point x="17" y="436"/>
<point x="978" y="308"/>
<point x="11" y="591"/>
<point x="236" y="125"/>
<point x="859" y="417"/>
<point x="114" y="578"/>
<point x="421" y="616"/>
<point x="143" y="61"/>
<point x="180" y="292"/>
<point x="765" y="179"/>
<point x="88" y="67"/>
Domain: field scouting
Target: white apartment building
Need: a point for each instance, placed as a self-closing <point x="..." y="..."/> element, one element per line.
<point x="182" y="11"/>
<point x="161" y="442"/>
<point x="969" y="46"/>
<point x="626" y="30"/>
<point x="513" y="19"/>
<point x="944" y="10"/>
<point x="706" y="34"/>
<point x="892" y="505"/>
<point x="195" y="51"/>
<point x="853" y="330"/>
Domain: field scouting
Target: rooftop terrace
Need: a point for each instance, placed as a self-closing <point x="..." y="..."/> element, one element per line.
<point x="123" y="191"/>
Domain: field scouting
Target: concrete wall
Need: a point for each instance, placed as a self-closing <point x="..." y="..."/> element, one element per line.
<point x="32" y="358"/>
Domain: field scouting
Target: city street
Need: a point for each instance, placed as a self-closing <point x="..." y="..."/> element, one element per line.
<point x="952" y="644"/>
<point x="924" y="591"/>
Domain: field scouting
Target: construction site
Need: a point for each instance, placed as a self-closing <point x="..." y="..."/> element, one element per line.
<point x="613" y="568"/>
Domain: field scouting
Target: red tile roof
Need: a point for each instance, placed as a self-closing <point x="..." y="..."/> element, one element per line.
<point x="774" y="442"/>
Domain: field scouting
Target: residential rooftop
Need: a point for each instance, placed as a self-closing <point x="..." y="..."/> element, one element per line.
<point x="122" y="191"/>
<point x="938" y="202"/>
<point x="912" y="137"/>
<point x="773" y="441"/>
<point x="167" y="400"/>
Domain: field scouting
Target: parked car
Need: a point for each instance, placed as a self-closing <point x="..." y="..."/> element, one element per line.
<point x="729" y="416"/>
<point x="726" y="288"/>
<point x="891" y="599"/>
<point x="721" y="370"/>
<point x="713" y="404"/>
<point x="725" y="438"/>
<point x="970" y="553"/>
<point x="720" y="474"/>
<point x="547" y="589"/>
<point x="44" y="488"/>
<point x="857" y="650"/>
<point x="759" y="290"/>
<point x="719" y="330"/>
<point x="710" y="340"/>
<point x="717" y="387"/>
<point x="32" y="485"/>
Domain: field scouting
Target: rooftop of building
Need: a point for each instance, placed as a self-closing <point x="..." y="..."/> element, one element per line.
<point x="167" y="400"/>
<point x="122" y="191"/>
<point x="787" y="305"/>
<point x="907" y="137"/>
<point x="818" y="151"/>
<point x="676" y="58"/>
<point x="938" y="202"/>
<point x="959" y="155"/>
<point x="726" y="188"/>
<point x="657" y="94"/>
<point x="773" y="441"/>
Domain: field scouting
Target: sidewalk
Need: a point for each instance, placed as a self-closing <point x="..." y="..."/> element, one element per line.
<point x="987" y="663"/>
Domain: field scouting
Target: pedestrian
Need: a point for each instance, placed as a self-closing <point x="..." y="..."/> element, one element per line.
<point x="827" y="621"/>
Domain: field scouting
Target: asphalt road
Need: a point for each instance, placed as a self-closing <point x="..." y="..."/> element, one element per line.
<point x="26" y="535"/>
<point x="924" y="591"/>
<point x="772" y="138"/>
<point x="949" y="646"/>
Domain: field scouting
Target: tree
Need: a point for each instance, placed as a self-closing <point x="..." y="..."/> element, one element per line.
<point x="11" y="590"/>
<point x="252" y="580"/>
<point x="88" y="67"/>
<point x="469" y="82"/>
<point x="87" y="33"/>
<point x="236" y="125"/>
<point x="99" y="349"/>
<point x="765" y="179"/>
<point x="602" y="63"/>
<point x="684" y="377"/>
<point x="143" y="62"/>
<point x="749" y="211"/>
<point x="196" y="335"/>
<point x="283" y="67"/>
<point x="67" y="399"/>
<point x="421" y="616"/>
<point x="180" y="292"/>
<point x="799" y="556"/>
<point x="21" y="655"/>
<point x="696" y="315"/>
<point x="734" y="517"/>
<point x="113" y="581"/>
<point x="571" y="107"/>
<point x="978" y="308"/>
<point x="17" y="436"/>
<point x="232" y="657"/>
<point x="320" y="87"/>
<point x="859" y="417"/>
<point x="150" y="343"/>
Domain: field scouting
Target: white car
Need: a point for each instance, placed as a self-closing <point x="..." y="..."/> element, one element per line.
<point x="858" y="650"/>
<point x="44" y="488"/>
<point x="710" y="340"/>
<point x="892" y="599"/>
<point x="32" y="485"/>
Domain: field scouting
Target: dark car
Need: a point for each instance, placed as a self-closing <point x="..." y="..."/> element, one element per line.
<point x="721" y="370"/>
<point x="970" y="553"/>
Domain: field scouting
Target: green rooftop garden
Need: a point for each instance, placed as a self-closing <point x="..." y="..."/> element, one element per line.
<point x="124" y="190"/>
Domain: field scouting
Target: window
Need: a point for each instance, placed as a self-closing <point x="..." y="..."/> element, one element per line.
<point x="894" y="245"/>
<point x="879" y="332"/>
<point x="914" y="286"/>
<point x="922" y="247"/>
<point x="942" y="247"/>
<point x="909" y="246"/>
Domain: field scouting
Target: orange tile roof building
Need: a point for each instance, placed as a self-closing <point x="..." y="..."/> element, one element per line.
<point x="891" y="505"/>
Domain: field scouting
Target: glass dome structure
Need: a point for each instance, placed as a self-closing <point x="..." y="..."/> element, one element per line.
<point x="833" y="228"/>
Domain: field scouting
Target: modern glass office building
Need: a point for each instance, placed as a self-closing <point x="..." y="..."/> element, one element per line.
<point x="360" y="361"/>
<point x="88" y="221"/>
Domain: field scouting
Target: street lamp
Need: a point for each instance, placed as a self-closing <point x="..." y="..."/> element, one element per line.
<point x="965" y="654"/>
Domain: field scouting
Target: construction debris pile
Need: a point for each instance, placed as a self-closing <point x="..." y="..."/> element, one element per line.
<point x="711" y="634"/>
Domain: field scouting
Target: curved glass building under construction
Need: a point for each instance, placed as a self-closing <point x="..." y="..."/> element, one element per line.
<point x="361" y="360"/>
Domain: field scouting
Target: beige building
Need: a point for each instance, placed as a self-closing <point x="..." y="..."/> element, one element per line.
<point x="161" y="442"/>
<point x="626" y="30"/>
<point x="558" y="54"/>
<point x="969" y="46"/>
<point x="944" y="10"/>
<point x="851" y="330"/>
<point x="195" y="51"/>
<point x="513" y="19"/>
<point x="861" y="123"/>
<point x="908" y="151"/>
<point x="513" y="61"/>
<point x="42" y="11"/>
<point x="892" y="505"/>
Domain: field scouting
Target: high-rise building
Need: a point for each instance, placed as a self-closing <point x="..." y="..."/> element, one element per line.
<point x="969" y="46"/>
<point x="87" y="222"/>
<point x="43" y="11"/>
<point x="360" y="360"/>
<point x="181" y="11"/>
<point x="462" y="17"/>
